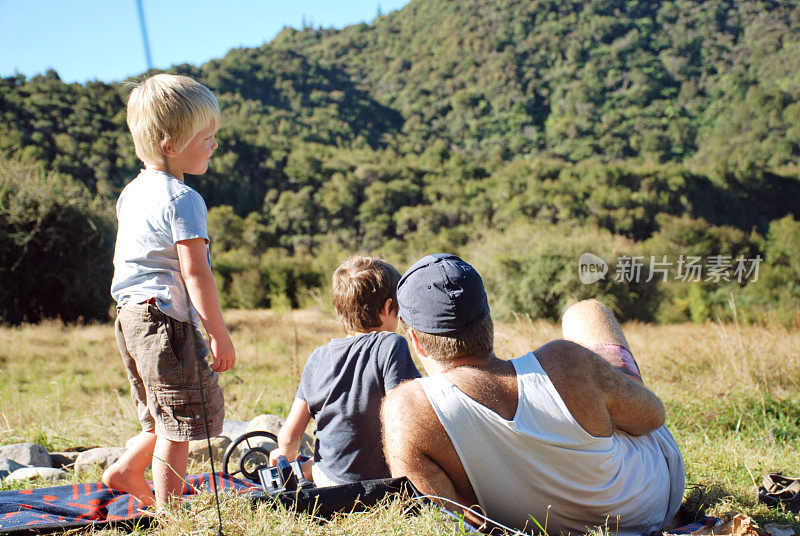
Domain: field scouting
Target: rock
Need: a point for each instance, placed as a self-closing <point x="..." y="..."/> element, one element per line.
<point x="198" y="450"/>
<point x="779" y="530"/>
<point x="45" y="473"/>
<point x="263" y="423"/>
<point x="273" y="423"/>
<point x="258" y="441"/>
<point x="102" y="456"/>
<point x="28" y="454"/>
<point x="266" y="423"/>
<point x="233" y="429"/>
<point x="8" y="466"/>
<point x="63" y="460"/>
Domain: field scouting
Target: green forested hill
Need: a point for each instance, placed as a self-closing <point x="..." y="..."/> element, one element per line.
<point x="664" y="80"/>
<point x="633" y="124"/>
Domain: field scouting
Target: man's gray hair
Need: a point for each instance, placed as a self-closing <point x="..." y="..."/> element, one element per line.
<point x="476" y="341"/>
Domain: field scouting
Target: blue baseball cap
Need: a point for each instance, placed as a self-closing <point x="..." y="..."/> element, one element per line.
<point x="442" y="295"/>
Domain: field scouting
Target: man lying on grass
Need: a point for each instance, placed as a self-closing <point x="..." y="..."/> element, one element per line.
<point x="563" y="438"/>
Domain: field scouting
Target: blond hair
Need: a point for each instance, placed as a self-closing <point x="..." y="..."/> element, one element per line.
<point x="477" y="341"/>
<point x="172" y="108"/>
<point x="360" y="287"/>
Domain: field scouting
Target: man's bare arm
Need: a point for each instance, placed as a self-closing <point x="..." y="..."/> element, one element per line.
<point x="600" y="397"/>
<point x="633" y="408"/>
<point x="410" y="437"/>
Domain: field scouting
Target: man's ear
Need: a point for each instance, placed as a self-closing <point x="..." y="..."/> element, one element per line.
<point x="415" y="343"/>
<point x="168" y="148"/>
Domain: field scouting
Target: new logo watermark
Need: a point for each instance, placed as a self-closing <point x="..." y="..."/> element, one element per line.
<point x="687" y="268"/>
<point x="591" y="268"/>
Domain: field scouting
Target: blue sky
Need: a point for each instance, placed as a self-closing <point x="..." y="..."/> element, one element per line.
<point x="101" y="39"/>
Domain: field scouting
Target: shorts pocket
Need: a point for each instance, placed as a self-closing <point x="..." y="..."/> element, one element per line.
<point x="180" y="412"/>
<point x="155" y="359"/>
<point x="176" y="337"/>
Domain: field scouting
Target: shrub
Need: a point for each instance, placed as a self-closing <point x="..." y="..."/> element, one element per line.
<point x="533" y="270"/>
<point x="56" y="247"/>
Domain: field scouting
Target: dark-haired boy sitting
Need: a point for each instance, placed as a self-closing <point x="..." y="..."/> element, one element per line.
<point x="344" y="381"/>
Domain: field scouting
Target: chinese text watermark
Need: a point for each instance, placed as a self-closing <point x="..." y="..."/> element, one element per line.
<point x="687" y="268"/>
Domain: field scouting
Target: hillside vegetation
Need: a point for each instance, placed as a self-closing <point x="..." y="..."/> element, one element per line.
<point x="623" y="128"/>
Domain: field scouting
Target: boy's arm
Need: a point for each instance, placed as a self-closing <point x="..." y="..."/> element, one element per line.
<point x="202" y="291"/>
<point x="291" y="432"/>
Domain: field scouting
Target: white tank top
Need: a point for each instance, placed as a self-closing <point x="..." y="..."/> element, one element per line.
<point x="545" y="465"/>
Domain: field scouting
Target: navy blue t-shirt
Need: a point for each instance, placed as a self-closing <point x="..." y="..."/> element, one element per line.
<point x="343" y="384"/>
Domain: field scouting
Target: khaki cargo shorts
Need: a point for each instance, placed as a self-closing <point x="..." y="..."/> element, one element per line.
<point x="161" y="356"/>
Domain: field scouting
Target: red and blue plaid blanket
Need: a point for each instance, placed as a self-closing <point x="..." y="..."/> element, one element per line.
<point x="80" y="505"/>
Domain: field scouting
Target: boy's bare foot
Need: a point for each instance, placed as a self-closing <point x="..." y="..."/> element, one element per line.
<point x="121" y="478"/>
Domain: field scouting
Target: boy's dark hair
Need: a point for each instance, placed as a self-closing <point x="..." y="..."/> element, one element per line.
<point x="360" y="287"/>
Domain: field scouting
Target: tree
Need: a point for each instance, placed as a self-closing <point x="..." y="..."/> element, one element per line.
<point x="56" y="247"/>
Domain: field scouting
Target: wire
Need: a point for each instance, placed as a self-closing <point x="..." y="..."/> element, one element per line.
<point x="145" y="38"/>
<point x="208" y="440"/>
<point x="473" y="512"/>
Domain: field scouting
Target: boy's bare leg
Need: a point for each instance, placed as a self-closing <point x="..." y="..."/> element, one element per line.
<point x="592" y="325"/>
<point x="127" y="473"/>
<point x="169" y="469"/>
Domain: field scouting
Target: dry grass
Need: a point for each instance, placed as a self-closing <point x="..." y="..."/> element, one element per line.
<point x="731" y="393"/>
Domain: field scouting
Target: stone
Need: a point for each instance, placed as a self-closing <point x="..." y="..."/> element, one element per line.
<point x="8" y="466"/>
<point x="263" y="423"/>
<point x="198" y="450"/>
<point x="63" y="460"/>
<point x="28" y="454"/>
<point x="101" y="456"/>
<point x="44" y="473"/>
<point x="266" y="423"/>
<point x="232" y="428"/>
<point x="258" y="441"/>
<point x="273" y="423"/>
<point x="775" y="529"/>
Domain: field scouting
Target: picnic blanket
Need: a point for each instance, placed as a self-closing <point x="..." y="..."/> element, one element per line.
<point x="61" y="508"/>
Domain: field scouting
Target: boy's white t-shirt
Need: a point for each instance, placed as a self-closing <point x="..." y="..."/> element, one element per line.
<point x="155" y="211"/>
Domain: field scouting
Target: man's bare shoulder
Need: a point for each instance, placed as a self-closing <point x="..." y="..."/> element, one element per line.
<point x="407" y="412"/>
<point x="577" y="374"/>
<point x="405" y="397"/>
<point x="562" y="357"/>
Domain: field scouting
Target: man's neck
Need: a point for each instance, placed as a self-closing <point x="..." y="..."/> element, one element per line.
<point x="435" y="366"/>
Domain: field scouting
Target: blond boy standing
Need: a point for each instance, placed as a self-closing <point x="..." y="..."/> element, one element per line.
<point x="164" y="288"/>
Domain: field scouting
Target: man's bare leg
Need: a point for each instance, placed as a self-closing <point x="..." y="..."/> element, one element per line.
<point x="592" y="325"/>
<point x="127" y="473"/>
<point x="169" y="469"/>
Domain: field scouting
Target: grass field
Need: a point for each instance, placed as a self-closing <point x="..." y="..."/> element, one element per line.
<point x="731" y="393"/>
